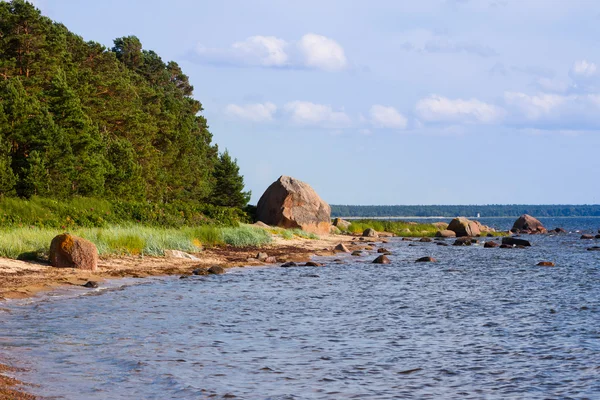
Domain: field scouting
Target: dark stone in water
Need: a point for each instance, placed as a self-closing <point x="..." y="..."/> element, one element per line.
<point x="404" y="239"/>
<point x="587" y="236"/>
<point x="426" y="259"/>
<point x="491" y="244"/>
<point x="464" y="241"/>
<point x="595" y="248"/>
<point x="216" y="270"/>
<point x="559" y="230"/>
<point x="506" y="246"/>
<point x="356" y="253"/>
<point x="200" y="271"/>
<point x="515" y="242"/>
<point x="425" y="240"/>
<point x="597" y="236"/>
<point x="442" y="244"/>
<point x="289" y="264"/>
<point x="184" y="276"/>
<point x="313" y="264"/>
<point x="383" y="250"/>
<point x="545" y="264"/>
<point x="382" y="260"/>
<point x="91" y="284"/>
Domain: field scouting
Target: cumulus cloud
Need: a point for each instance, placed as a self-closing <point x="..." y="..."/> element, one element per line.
<point x="256" y="112"/>
<point x="312" y="51"/>
<point x="536" y="106"/>
<point x="305" y="113"/>
<point x="437" y="108"/>
<point x="387" y="117"/>
<point x="584" y="68"/>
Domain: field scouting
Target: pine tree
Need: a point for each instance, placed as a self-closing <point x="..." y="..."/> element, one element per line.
<point x="229" y="184"/>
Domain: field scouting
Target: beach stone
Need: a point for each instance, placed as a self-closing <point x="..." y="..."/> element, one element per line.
<point x="68" y="251"/>
<point x="594" y="248"/>
<point x="461" y="226"/>
<point x="216" y="270"/>
<point x="515" y="242"/>
<point x="180" y="254"/>
<point x="426" y="259"/>
<point x="559" y="230"/>
<point x="491" y="244"/>
<point x="341" y="223"/>
<point x="271" y="260"/>
<point x="587" y="237"/>
<point x="91" y="284"/>
<point x="446" y="233"/>
<point x="382" y="259"/>
<point x="405" y="239"/>
<point x="385" y="234"/>
<point x="382" y="250"/>
<point x="528" y="224"/>
<point x="357" y="253"/>
<point x="545" y="264"/>
<point x="341" y="248"/>
<point x="262" y="256"/>
<point x="425" y="240"/>
<point x="370" y="233"/>
<point x="291" y="203"/>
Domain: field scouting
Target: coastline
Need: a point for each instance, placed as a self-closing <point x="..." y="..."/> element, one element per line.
<point x="21" y="279"/>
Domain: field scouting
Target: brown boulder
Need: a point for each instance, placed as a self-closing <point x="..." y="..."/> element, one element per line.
<point x="370" y="233"/>
<point x="341" y="223"/>
<point x="527" y="224"/>
<point x="68" y="251"/>
<point x="464" y="227"/>
<point x="382" y="259"/>
<point x="446" y="233"/>
<point x="216" y="270"/>
<point x="341" y="248"/>
<point x="545" y="264"/>
<point x="290" y="203"/>
<point x="426" y="259"/>
<point x="491" y="244"/>
<point x="587" y="236"/>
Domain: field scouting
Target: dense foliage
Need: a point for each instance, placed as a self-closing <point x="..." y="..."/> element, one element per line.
<point x="78" y="119"/>
<point x="494" y="210"/>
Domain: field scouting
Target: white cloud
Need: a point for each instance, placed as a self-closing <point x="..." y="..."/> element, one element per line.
<point x="322" y="53"/>
<point x="437" y="108"/>
<point x="424" y="41"/>
<point x="536" y="106"/>
<point x="584" y="68"/>
<point x="306" y="113"/>
<point x="256" y="112"/>
<point x="311" y="51"/>
<point x="387" y="117"/>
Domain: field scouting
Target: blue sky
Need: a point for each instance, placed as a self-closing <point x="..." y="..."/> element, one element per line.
<point x="385" y="101"/>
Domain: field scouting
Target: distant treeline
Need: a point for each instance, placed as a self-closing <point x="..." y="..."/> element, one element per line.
<point x="493" y="210"/>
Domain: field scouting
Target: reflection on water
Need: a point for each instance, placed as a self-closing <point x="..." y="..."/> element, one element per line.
<point x="480" y="323"/>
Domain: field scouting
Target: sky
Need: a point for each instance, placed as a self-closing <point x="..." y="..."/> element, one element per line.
<point x="385" y="101"/>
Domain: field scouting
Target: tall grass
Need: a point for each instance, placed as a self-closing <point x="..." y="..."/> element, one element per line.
<point x="134" y="239"/>
<point x="399" y="228"/>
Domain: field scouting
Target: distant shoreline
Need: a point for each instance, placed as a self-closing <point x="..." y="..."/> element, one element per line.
<point x="441" y="217"/>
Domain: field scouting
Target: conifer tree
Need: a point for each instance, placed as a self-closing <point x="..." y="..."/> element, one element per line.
<point x="229" y="184"/>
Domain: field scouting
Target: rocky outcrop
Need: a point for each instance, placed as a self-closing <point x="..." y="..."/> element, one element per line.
<point x="290" y="203"/>
<point x="464" y="227"/>
<point x="68" y="251"/>
<point x="527" y="224"/>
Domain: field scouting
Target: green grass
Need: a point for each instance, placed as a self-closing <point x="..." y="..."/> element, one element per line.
<point x="132" y="240"/>
<point x="399" y="228"/>
<point x="289" y="234"/>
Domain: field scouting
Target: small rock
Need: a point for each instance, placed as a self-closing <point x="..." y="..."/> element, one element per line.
<point x="383" y="250"/>
<point x="425" y="240"/>
<point x="382" y="259"/>
<point x="341" y="248"/>
<point x="91" y="284"/>
<point x="426" y="259"/>
<point x="405" y="239"/>
<point x="446" y="233"/>
<point x="491" y="244"/>
<point x="216" y="270"/>
<point x="289" y="264"/>
<point x="262" y="256"/>
<point x="506" y="246"/>
<point x="595" y="248"/>
<point x="184" y="276"/>
<point x="587" y="236"/>
<point x="200" y="271"/>
<point x="559" y="230"/>
<point x="597" y="236"/>
<point x="545" y="264"/>
<point x="357" y="253"/>
<point x="463" y="241"/>
<point x="370" y="233"/>
<point x="515" y="241"/>
<point x="442" y="244"/>
<point x="313" y="264"/>
<point x="179" y="254"/>
<point x="271" y="260"/>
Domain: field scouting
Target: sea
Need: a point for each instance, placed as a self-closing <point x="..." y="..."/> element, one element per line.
<point x="480" y="323"/>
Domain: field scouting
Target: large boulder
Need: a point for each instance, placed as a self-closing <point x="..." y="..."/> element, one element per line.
<point x="290" y="203"/>
<point x="68" y="251"/>
<point x="464" y="227"/>
<point x="341" y="223"/>
<point x="446" y="233"/>
<point x="527" y="224"/>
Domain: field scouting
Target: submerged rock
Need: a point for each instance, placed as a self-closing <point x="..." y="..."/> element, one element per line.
<point x="289" y="264"/>
<point x="382" y="259"/>
<point x="216" y="270"/>
<point x="91" y="284"/>
<point x="491" y="244"/>
<point x="313" y="264"/>
<point x="200" y="271"/>
<point x="426" y="259"/>
<point x="515" y="242"/>
<point x="425" y="240"/>
<point x="290" y="203"/>
<point x="545" y="264"/>
<point x="587" y="236"/>
<point x="68" y="251"/>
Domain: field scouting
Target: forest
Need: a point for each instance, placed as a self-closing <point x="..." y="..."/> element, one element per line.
<point x="490" y="210"/>
<point x="78" y="119"/>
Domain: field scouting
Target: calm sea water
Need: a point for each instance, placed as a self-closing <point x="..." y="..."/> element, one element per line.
<point x="480" y="323"/>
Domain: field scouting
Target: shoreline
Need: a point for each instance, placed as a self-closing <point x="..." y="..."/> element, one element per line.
<point x="21" y="279"/>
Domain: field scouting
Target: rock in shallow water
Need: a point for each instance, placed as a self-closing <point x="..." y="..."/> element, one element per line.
<point x="91" y="284"/>
<point x="216" y="270"/>
<point x="382" y="260"/>
<point x="515" y="242"/>
<point x="426" y="259"/>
